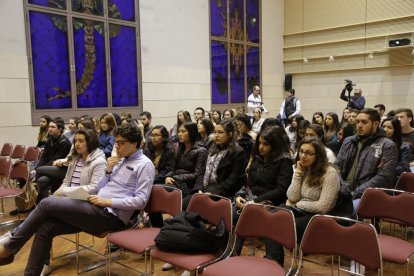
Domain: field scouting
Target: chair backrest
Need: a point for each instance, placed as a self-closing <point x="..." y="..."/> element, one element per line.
<point x="18" y="152"/>
<point x="212" y="208"/>
<point x="164" y="199"/>
<point x="264" y="221"/>
<point x="32" y="154"/>
<point x="5" y="165"/>
<point x="20" y="171"/>
<point x="405" y="182"/>
<point x="6" y="150"/>
<point x="387" y="203"/>
<point x="358" y="241"/>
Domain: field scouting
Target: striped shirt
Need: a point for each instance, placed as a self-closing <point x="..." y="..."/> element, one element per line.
<point x="75" y="181"/>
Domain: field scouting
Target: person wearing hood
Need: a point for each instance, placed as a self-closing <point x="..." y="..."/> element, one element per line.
<point x="368" y="158"/>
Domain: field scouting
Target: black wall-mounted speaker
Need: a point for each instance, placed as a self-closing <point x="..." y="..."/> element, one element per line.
<point x="288" y="82"/>
<point x="399" y="42"/>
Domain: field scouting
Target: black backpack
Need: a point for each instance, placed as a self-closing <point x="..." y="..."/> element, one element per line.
<point x="188" y="232"/>
<point x="290" y="105"/>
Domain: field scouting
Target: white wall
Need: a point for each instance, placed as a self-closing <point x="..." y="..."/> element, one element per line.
<point x="15" y="116"/>
<point x="175" y="62"/>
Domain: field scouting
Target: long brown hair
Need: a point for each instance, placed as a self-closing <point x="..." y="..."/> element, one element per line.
<point x="318" y="169"/>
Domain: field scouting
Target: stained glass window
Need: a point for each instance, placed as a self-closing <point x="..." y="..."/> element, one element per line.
<point x="83" y="57"/>
<point x="235" y="49"/>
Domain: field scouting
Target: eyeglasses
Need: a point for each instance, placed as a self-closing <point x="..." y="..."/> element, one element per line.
<point x="120" y="142"/>
<point x="306" y="153"/>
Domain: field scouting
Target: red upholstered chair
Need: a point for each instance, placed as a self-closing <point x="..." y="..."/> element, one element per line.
<point x="213" y="208"/>
<point x="6" y="150"/>
<point x="342" y="237"/>
<point x="32" y="154"/>
<point x="18" y="152"/>
<point x="5" y="190"/>
<point x="405" y="182"/>
<point x="390" y="204"/>
<point x="259" y="221"/>
<point x="164" y="200"/>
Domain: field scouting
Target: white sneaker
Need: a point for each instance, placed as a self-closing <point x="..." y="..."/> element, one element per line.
<point x="46" y="270"/>
<point x="186" y="273"/>
<point x="167" y="266"/>
<point x="5" y="238"/>
<point x="356" y="268"/>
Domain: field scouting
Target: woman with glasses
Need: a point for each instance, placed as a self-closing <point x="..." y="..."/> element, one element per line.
<point x="315" y="184"/>
<point x="269" y="177"/>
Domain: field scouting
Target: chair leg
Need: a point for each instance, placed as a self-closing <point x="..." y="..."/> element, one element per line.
<point x="77" y="253"/>
<point x="108" y="258"/>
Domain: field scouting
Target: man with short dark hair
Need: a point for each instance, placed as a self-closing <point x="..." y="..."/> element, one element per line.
<point x="405" y="116"/>
<point x="368" y="158"/>
<point x="198" y="114"/>
<point x="125" y="188"/>
<point x="381" y="110"/>
<point x="146" y="127"/>
<point x="352" y="118"/>
<point x="289" y="107"/>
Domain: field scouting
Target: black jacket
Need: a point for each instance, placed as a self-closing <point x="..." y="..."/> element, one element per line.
<point x="230" y="173"/>
<point x="270" y="181"/>
<point x="189" y="168"/>
<point x="165" y="165"/>
<point x="55" y="148"/>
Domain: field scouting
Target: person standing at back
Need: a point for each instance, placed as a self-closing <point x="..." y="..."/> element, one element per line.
<point x="255" y="101"/>
<point x="289" y="107"/>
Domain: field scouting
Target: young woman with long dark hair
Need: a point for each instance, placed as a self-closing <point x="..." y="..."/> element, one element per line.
<point x="331" y="126"/>
<point x="269" y="177"/>
<point x="106" y="137"/>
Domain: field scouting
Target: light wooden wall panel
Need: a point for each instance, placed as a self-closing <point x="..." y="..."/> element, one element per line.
<point x="334" y="34"/>
<point x="403" y="25"/>
<point x="293" y="16"/>
<point x="322" y="14"/>
<point x="386" y="9"/>
<point x="340" y="48"/>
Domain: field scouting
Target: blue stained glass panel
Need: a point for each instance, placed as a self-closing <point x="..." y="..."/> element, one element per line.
<point x="50" y="58"/>
<point x="252" y="20"/>
<point x="122" y="9"/>
<point x="236" y="28"/>
<point x="253" y="68"/>
<point x="57" y="4"/>
<point x="90" y="63"/>
<point x="123" y="66"/>
<point x="218" y="17"/>
<point x="237" y="73"/>
<point x="219" y="79"/>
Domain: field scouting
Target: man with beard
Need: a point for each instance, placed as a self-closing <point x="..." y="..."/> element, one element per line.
<point x="368" y="158"/>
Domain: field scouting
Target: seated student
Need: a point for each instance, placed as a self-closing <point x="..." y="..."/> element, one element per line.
<point x="344" y="131"/>
<point x="160" y="153"/>
<point x="190" y="160"/>
<point x="72" y="128"/>
<point x="205" y="130"/>
<point x="43" y="131"/>
<point x="315" y="185"/>
<point x="106" y="138"/>
<point x="125" y="188"/>
<point x="86" y="166"/>
<point x="269" y="177"/>
<point x="316" y="131"/>
<point x="331" y="127"/>
<point x="225" y="163"/>
<point x="257" y="120"/>
<point x="392" y="128"/>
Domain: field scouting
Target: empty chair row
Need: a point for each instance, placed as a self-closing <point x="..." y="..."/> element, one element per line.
<point x="20" y="152"/>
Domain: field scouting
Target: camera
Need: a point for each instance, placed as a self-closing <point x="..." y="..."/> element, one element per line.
<point x="348" y="85"/>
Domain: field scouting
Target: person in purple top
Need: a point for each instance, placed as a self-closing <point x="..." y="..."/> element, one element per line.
<point x="126" y="187"/>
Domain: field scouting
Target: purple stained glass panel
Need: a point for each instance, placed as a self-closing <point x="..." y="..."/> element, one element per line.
<point x="219" y="80"/>
<point x="50" y="58"/>
<point x="121" y="9"/>
<point x="237" y="73"/>
<point x="236" y="28"/>
<point x="123" y="66"/>
<point x="252" y="20"/>
<point x="253" y="68"/>
<point x="218" y="17"/>
<point x="90" y="63"/>
<point x="95" y="8"/>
